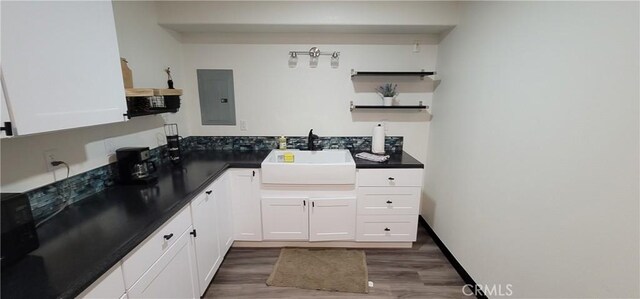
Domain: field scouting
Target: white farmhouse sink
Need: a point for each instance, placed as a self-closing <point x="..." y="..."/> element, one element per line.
<point x="326" y="167"/>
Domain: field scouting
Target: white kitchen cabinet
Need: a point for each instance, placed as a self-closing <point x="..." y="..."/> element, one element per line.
<point x="285" y="218"/>
<point x="332" y="219"/>
<point x="61" y="65"/>
<point x="110" y="285"/>
<point x="207" y="241"/>
<point x="315" y="219"/>
<point x="385" y="177"/>
<point x="388" y="200"/>
<point x="388" y="204"/>
<point x="387" y="228"/>
<point x="245" y="202"/>
<point x="155" y="246"/>
<point x="5" y="118"/>
<point x="225" y="217"/>
<point x="174" y="275"/>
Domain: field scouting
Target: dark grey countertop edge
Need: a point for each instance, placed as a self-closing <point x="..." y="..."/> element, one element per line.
<point x="389" y="166"/>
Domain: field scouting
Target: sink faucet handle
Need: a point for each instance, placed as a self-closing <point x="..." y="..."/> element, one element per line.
<point x="310" y="140"/>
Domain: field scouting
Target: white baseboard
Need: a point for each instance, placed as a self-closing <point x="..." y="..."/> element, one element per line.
<point x="340" y="244"/>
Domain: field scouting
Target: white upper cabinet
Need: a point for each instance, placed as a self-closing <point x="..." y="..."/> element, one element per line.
<point x="5" y="119"/>
<point x="61" y="65"/>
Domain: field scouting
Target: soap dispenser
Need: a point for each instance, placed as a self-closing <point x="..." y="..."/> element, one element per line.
<point x="282" y="141"/>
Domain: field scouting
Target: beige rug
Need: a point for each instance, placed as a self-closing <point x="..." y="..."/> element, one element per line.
<point x="334" y="269"/>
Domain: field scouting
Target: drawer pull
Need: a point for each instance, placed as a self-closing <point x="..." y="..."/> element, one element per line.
<point x="391" y="178"/>
<point x="167" y="237"/>
<point x="386" y="229"/>
<point x="208" y="192"/>
<point x="389" y="202"/>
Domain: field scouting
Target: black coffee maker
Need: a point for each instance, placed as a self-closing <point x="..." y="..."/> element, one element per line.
<point x="134" y="166"/>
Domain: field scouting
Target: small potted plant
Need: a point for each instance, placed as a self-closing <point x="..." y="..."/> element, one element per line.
<point x="388" y="93"/>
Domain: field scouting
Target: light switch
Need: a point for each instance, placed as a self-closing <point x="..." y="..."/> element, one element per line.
<point x="243" y="125"/>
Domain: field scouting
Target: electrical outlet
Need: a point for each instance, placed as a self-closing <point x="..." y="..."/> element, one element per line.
<point x="243" y="125"/>
<point x="109" y="146"/>
<point x="50" y="155"/>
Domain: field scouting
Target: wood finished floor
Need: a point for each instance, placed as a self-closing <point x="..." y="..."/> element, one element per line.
<point x="419" y="272"/>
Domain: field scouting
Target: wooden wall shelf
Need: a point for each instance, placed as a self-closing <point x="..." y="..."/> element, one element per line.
<point x="148" y="92"/>
<point x="142" y="101"/>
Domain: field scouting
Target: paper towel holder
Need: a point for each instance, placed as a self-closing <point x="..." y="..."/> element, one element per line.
<point x="377" y="139"/>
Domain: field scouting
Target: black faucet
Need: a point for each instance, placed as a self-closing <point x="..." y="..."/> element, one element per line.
<point x="311" y="145"/>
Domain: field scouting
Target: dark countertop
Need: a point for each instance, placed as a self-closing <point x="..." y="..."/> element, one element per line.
<point x="397" y="160"/>
<point x="80" y="244"/>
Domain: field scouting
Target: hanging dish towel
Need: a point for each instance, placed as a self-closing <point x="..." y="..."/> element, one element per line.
<point x="372" y="157"/>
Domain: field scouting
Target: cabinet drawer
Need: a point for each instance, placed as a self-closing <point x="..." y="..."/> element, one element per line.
<point x="154" y="246"/>
<point x="390" y="177"/>
<point x="387" y="228"/>
<point x="388" y="200"/>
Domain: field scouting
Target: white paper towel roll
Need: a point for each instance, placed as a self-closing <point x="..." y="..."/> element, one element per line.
<point x="377" y="142"/>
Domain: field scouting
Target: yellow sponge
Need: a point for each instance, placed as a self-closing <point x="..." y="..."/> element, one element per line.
<point x="288" y="157"/>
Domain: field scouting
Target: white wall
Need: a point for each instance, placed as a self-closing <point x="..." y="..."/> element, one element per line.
<point x="277" y="100"/>
<point x="532" y="169"/>
<point x="149" y="49"/>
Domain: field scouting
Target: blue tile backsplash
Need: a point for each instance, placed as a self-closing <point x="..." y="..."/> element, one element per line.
<point x="47" y="199"/>
<point x="393" y="144"/>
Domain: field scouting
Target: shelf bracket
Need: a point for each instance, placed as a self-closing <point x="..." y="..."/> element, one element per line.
<point x="353" y="72"/>
<point x="351" y="106"/>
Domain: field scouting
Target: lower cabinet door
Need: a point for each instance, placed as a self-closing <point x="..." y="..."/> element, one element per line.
<point x="332" y="219"/>
<point x="205" y="215"/>
<point x="245" y="200"/>
<point x="225" y="221"/>
<point x="285" y="218"/>
<point x="172" y="276"/>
